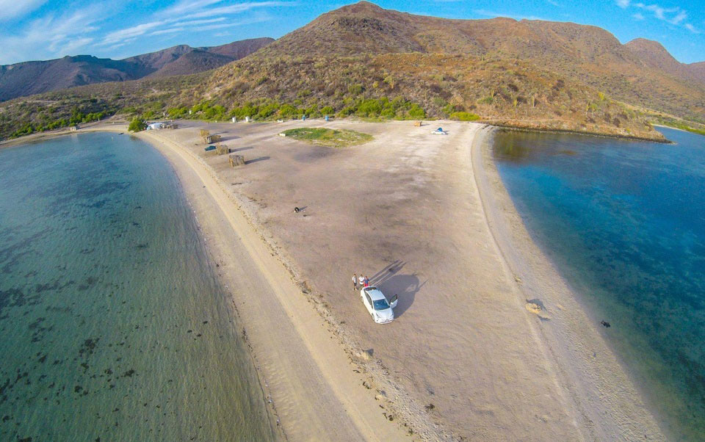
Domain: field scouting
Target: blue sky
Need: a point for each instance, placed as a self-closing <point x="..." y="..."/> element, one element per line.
<point x="44" y="29"/>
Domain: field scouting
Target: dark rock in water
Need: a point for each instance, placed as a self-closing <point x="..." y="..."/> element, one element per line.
<point x="606" y="324"/>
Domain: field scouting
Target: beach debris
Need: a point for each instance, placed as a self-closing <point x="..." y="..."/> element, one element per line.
<point x="536" y="307"/>
<point x="297" y="210"/>
<point x="605" y="324"/>
<point x="430" y="407"/>
<point x="533" y="308"/>
<point x="365" y="355"/>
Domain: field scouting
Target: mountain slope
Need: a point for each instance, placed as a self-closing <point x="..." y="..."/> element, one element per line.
<point x="583" y="53"/>
<point x="35" y="77"/>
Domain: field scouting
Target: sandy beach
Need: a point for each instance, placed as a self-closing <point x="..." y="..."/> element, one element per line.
<point x="470" y="356"/>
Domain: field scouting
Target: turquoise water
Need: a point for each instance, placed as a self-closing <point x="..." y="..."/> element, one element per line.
<point x="625" y="223"/>
<point x="114" y="326"/>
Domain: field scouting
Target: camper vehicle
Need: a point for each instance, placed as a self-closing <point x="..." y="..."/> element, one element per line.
<point x="439" y="131"/>
<point x="376" y="303"/>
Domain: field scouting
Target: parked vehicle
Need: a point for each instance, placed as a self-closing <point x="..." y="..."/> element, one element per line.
<point x="381" y="309"/>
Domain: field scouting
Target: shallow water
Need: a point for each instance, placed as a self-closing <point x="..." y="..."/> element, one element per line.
<point x="625" y="223"/>
<point x="114" y="324"/>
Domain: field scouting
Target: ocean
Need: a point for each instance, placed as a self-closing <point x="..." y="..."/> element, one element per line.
<point x="114" y="325"/>
<point x="624" y="222"/>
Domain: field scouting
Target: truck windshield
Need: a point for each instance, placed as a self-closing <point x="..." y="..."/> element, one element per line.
<point x="381" y="304"/>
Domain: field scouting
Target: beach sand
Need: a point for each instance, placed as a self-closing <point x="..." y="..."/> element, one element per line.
<point x="426" y="217"/>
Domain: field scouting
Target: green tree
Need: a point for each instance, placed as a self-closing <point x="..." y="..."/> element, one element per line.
<point x="416" y="112"/>
<point x="136" y="125"/>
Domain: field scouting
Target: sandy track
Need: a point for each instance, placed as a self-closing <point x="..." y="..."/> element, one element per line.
<point x="317" y="395"/>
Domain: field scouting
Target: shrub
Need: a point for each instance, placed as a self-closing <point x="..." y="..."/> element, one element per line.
<point x="289" y="111"/>
<point x="416" y="112"/>
<point x="136" y="125"/>
<point x="369" y="108"/>
<point x="464" y="116"/>
<point x="355" y="89"/>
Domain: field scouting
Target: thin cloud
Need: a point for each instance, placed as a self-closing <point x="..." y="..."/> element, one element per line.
<point x="52" y="35"/>
<point x="10" y="9"/>
<point x="692" y="28"/>
<point x="134" y="31"/>
<point x="191" y="13"/>
<point x="198" y="22"/>
<point x="486" y="13"/>
<point x="186" y="6"/>
<point x="237" y="9"/>
<point x="676" y="16"/>
<point x="167" y="31"/>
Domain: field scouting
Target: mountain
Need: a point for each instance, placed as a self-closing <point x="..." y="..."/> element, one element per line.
<point x="641" y="73"/>
<point x="370" y="62"/>
<point x="35" y="77"/>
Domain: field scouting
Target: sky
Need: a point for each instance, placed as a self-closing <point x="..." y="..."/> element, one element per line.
<point x="46" y="29"/>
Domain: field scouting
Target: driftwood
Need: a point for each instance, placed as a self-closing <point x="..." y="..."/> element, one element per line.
<point x="237" y="160"/>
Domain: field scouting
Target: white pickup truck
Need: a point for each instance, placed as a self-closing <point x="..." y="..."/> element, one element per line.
<point x="376" y="303"/>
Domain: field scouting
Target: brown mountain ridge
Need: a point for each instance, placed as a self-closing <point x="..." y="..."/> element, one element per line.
<point x="34" y="77"/>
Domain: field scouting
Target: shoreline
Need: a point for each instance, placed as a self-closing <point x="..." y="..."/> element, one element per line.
<point x="350" y="410"/>
<point x="87" y="127"/>
<point x="584" y="133"/>
<point x="606" y="404"/>
<point x="605" y="389"/>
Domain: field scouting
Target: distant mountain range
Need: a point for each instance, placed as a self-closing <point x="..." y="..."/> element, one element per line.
<point x="34" y="77"/>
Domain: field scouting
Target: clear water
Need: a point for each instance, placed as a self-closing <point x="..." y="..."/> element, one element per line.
<point x="114" y="326"/>
<point x="625" y="223"/>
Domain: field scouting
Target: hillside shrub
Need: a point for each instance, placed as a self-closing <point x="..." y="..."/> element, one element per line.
<point x="416" y="111"/>
<point x="137" y="125"/>
<point x="464" y="116"/>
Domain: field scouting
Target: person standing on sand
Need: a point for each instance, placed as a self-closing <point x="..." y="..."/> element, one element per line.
<point x="354" y="282"/>
<point x="361" y="281"/>
<point x="367" y="281"/>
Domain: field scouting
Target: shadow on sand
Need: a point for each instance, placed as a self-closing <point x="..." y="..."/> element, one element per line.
<point x="391" y="282"/>
<point x="255" y="160"/>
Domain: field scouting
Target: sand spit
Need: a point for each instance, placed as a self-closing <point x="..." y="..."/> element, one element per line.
<point x="606" y="399"/>
<point x="489" y="342"/>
